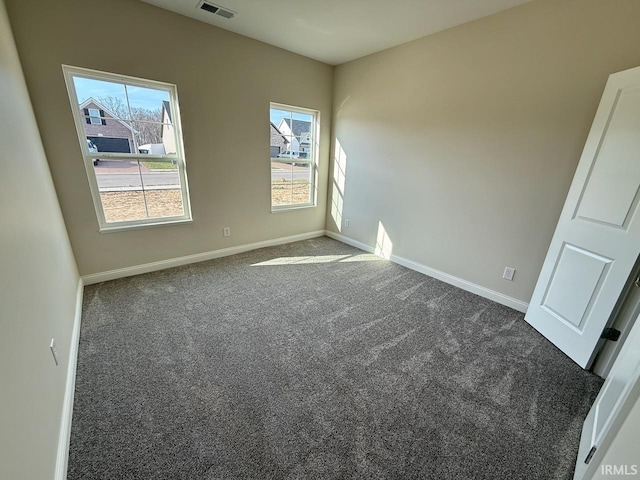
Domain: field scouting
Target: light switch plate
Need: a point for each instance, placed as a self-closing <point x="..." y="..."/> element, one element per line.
<point x="54" y="350"/>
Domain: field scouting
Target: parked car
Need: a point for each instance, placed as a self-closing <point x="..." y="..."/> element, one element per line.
<point x="92" y="149"/>
<point x="288" y="154"/>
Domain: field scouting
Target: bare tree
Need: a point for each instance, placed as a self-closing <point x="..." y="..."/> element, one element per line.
<point x="116" y="106"/>
<point x="146" y="124"/>
<point x="145" y="121"/>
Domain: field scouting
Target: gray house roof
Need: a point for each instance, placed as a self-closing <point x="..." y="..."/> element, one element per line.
<point x="299" y="127"/>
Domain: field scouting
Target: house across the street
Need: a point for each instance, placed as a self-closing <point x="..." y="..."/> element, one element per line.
<point x="299" y="131"/>
<point x="279" y="142"/>
<point x="104" y="129"/>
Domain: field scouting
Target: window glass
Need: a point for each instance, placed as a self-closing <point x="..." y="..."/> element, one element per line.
<point x="293" y="161"/>
<point x="132" y="148"/>
<point x="94" y="116"/>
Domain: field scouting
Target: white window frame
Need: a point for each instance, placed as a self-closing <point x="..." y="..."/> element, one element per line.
<point x="313" y="161"/>
<point x="95" y="116"/>
<point x="178" y="158"/>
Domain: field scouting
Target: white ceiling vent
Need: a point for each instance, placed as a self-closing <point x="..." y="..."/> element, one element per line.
<point x="216" y="9"/>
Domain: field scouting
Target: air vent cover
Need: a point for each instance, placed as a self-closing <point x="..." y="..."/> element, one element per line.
<point x="217" y="10"/>
<point x="225" y="13"/>
<point x="209" y="8"/>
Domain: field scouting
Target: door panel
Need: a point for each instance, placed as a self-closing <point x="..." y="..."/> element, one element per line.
<point x="574" y="285"/>
<point x="597" y="239"/>
<point x="612" y="188"/>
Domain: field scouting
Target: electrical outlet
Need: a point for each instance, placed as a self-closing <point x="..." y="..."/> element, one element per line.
<point x="226" y="231"/>
<point x="508" y="274"/>
<point x="346" y="223"/>
<point x="54" y="350"/>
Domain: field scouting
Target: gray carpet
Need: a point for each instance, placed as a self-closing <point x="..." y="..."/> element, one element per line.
<point x="316" y="360"/>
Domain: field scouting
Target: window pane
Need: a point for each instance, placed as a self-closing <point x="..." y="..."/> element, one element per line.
<point x="117" y="117"/>
<point x="281" y="184"/>
<point x="161" y="183"/>
<point x="113" y="135"/>
<point x="120" y="188"/>
<point x="302" y="171"/>
<point x="116" y="111"/>
<point x="147" y="103"/>
<point x="119" y="141"/>
<point x="117" y="176"/>
<point x="168" y="139"/>
<point x="303" y="117"/>
<point x="305" y="147"/>
<point x="132" y="190"/>
<point x="148" y="137"/>
<point x="300" y="139"/>
<point x="159" y="175"/>
<point x="276" y="116"/>
<point x="292" y="148"/>
<point x="102" y="95"/>
<point x="290" y="184"/>
<point x="121" y="206"/>
<point x="164" y="203"/>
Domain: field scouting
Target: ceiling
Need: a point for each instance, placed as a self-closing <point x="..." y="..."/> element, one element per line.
<point x="337" y="31"/>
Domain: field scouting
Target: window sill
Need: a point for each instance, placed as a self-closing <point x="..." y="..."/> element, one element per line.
<point x="120" y="228"/>
<point x="293" y="207"/>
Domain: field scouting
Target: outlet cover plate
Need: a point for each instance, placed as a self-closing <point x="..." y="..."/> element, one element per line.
<point x="508" y="274"/>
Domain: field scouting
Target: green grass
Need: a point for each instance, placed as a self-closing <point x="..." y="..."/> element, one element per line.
<point x="159" y="165"/>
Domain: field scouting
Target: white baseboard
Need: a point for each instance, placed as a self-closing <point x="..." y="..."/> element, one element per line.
<point x="445" y="277"/>
<point x="198" y="257"/>
<point x="67" y="407"/>
<point x="350" y="241"/>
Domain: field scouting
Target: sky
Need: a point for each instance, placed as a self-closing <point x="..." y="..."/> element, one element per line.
<point x="149" y="98"/>
<point x="277" y="115"/>
<point x="139" y="97"/>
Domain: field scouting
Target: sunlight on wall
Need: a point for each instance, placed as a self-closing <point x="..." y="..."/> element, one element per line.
<point x="337" y="202"/>
<point x="384" y="245"/>
<point x="339" y="179"/>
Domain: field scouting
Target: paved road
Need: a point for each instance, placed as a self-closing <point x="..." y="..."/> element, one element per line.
<point x="286" y="174"/>
<point x="164" y="179"/>
<point x="115" y="180"/>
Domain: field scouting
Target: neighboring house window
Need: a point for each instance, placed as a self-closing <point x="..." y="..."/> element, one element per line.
<point x="94" y="116"/>
<point x="294" y="153"/>
<point x="131" y="142"/>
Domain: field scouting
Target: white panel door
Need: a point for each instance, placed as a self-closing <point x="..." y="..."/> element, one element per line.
<point x="616" y="398"/>
<point x="597" y="239"/>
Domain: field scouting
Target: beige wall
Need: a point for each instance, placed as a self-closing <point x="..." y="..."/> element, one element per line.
<point x="463" y="144"/>
<point x="225" y="83"/>
<point x="38" y="285"/>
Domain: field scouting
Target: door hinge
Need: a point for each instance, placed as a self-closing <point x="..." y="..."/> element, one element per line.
<point x="610" y="334"/>
<point x="590" y="455"/>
